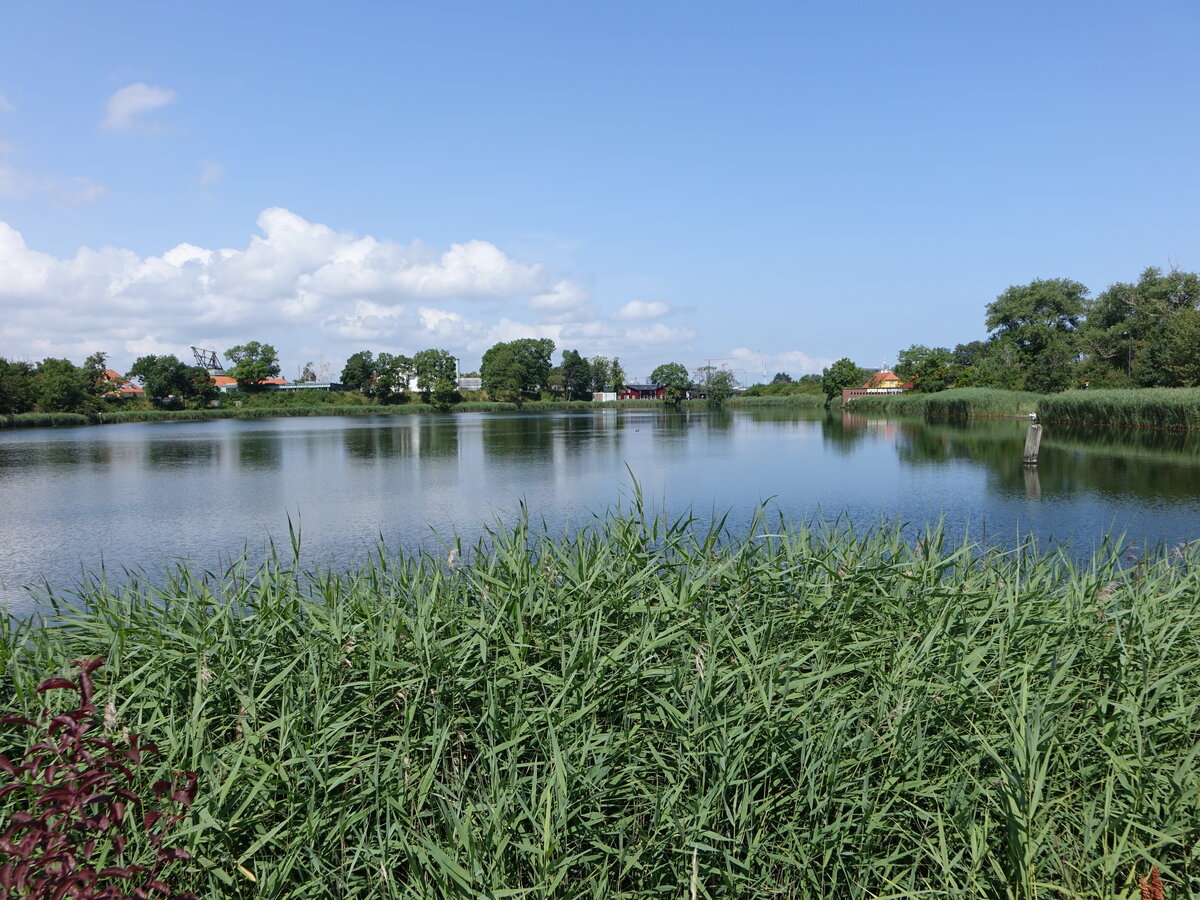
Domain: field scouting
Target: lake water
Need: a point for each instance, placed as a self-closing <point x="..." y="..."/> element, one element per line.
<point x="140" y="496"/>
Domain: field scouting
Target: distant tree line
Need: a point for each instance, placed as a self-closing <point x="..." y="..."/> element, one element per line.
<point x="1050" y="335"/>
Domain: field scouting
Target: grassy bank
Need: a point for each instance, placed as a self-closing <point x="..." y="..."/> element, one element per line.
<point x="1176" y="408"/>
<point x="649" y="709"/>
<point x="957" y="403"/>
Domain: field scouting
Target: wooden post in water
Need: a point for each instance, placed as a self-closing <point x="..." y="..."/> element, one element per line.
<point x="1033" y="443"/>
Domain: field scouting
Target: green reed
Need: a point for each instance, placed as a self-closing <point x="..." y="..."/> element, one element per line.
<point x="1175" y="408"/>
<point x="660" y="707"/>
<point x="956" y="403"/>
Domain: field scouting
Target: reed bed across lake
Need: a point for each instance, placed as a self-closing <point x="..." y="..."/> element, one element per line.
<point x="956" y="403"/>
<point x="1173" y="408"/>
<point x="655" y="707"/>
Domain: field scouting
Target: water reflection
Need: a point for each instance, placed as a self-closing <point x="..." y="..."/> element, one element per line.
<point x="1140" y="464"/>
<point x="176" y="454"/>
<point x="259" y="449"/>
<point x="136" y="495"/>
<point x="509" y="437"/>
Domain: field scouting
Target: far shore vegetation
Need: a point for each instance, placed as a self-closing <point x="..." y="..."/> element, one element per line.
<point x="649" y="707"/>
<point x="1127" y="357"/>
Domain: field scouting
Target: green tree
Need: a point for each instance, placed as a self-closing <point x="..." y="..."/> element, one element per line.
<point x="169" y="383"/>
<point x="392" y="376"/>
<point x="929" y="368"/>
<point x="501" y="375"/>
<point x="843" y="373"/>
<point x="359" y="372"/>
<point x="434" y="369"/>
<point x="781" y="378"/>
<point x="616" y="375"/>
<point x="514" y="369"/>
<point x="96" y="367"/>
<point x="1041" y="320"/>
<point x="718" y="384"/>
<point x="63" y="386"/>
<point x="18" y="387"/>
<point x="1129" y="325"/>
<point x="163" y="378"/>
<point x="600" y="372"/>
<point x="998" y="365"/>
<point x="253" y="363"/>
<point x="674" y="379"/>
<point x="576" y="375"/>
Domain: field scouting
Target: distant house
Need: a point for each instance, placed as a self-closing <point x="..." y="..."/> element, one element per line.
<point x="656" y="391"/>
<point x="641" y="392"/>
<point x="882" y="382"/>
<point x="225" y="384"/>
<point x="470" y="383"/>
<point x="120" y="386"/>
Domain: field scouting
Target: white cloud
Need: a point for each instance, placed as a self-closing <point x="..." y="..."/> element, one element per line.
<point x="5" y="106"/>
<point x="211" y="171"/>
<point x="640" y="310"/>
<point x="658" y="334"/>
<point x="567" y="300"/>
<point x="127" y="108"/>
<point x="794" y="362"/>
<point x="296" y="283"/>
<point x="798" y="362"/>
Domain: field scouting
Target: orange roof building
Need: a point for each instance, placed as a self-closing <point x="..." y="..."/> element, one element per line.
<point x="121" y="386"/>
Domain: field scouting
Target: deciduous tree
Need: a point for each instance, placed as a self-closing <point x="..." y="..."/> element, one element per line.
<point x="253" y="363"/>
<point x="841" y="374"/>
<point x="1041" y="320"/>
<point x="718" y="384"/>
<point x="674" y="379"/>
<point x="576" y="375"/>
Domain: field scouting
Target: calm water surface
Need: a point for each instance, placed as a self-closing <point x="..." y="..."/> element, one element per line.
<point x="140" y="496"/>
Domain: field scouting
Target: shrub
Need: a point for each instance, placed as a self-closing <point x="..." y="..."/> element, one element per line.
<point x="73" y="838"/>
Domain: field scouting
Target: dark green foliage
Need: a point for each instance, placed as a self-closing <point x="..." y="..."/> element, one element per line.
<point x="392" y="376"/>
<point x="598" y="372"/>
<point x="253" y="363"/>
<point x="674" y="378"/>
<point x="781" y="378"/>
<point x="359" y="372"/>
<point x="63" y="386"/>
<point x="1139" y="329"/>
<point x="18" y="388"/>
<point x="435" y="372"/>
<point x="1041" y="320"/>
<point x="653" y="707"/>
<point x="576" y="376"/>
<point x="169" y="383"/>
<point x="840" y="375"/>
<point x="930" y="369"/>
<point x="513" y="370"/>
<point x="717" y="384"/>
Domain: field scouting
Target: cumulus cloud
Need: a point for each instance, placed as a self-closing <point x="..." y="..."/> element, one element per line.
<point x="127" y="108"/>
<point x="658" y="335"/>
<point x="296" y="281"/>
<point x="794" y="362"/>
<point x="641" y="310"/>
<point x="567" y="300"/>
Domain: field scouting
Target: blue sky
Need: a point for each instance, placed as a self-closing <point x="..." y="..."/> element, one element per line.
<point x="770" y="185"/>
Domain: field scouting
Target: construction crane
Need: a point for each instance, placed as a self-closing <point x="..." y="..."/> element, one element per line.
<point x="208" y="359"/>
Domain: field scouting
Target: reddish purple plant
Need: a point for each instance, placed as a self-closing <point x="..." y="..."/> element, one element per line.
<point x="82" y="803"/>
